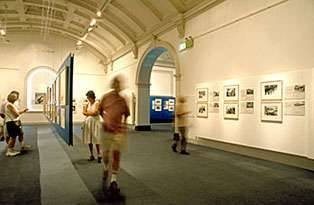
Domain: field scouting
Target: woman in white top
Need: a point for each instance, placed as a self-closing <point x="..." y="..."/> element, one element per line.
<point x="91" y="126"/>
<point x="13" y="123"/>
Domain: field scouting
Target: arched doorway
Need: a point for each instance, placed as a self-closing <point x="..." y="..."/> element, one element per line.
<point x="37" y="81"/>
<point x="144" y="71"/>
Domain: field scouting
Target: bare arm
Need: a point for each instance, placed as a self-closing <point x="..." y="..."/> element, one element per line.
<point x="95" y="112"/>
<point x="16" y="112"/>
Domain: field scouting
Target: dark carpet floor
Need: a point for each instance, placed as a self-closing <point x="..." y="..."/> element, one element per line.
<point x="20" y="175"/>
<point x="152" y="174"/>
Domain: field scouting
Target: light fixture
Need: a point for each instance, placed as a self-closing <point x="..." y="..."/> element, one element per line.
<point x="93" y="22"/>
<point x="85" y="36"/>
<point x="98" y="13"/>
<point x="79" y="42"/>
<point x="2" y="32"/>
<point x="90" y="29"/>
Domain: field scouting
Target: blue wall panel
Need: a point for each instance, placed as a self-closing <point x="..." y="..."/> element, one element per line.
<point x="162" y="109"/>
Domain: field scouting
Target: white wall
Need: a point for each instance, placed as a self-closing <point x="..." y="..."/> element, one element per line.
<point x="162" y="81"/>
<point x="262" y="38"/>
<point x="248" y="42"/>
<point x="30" y="50"/>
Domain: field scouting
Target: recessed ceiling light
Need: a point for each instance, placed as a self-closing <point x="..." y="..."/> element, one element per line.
<point x="98" y="13"/>
<point x="93" y="22"/>
<point x="90" y="29"/>
<point x="2" y="32"/>
<point x="79" y="42"/>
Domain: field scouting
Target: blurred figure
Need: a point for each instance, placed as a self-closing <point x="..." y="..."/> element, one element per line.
<point x="181" y="113"/>
<point x="4" y="133"/>
<point x="92" y="126"/>
<point x="114" y="110"/>
<point x="14" y="125"/>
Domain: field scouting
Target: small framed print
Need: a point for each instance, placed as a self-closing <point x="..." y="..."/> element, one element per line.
<point x="247" y="107"/>
<point x="202" y="94"/>
<point x="247" y="94"/>
<point x="213" y="107"/>
<point x="296" y="91"/>
<point x="271" y="112"/>
<point x="295" y="108"/>
<point x="231" y="111"/>
<point x="271" y="90"/>
<point x="231" y="92"/>
<point x="202" y="110"/>
<point x="214" y="96"/>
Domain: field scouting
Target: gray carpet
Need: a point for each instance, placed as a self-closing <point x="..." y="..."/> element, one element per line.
<point x="20" y="175"/>
<point x="153" y="174"/>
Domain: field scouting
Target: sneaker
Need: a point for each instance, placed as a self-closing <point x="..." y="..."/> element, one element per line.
<point x="174" y="147"/>
<point x="184" y="152"/>
<point x="26" y="147"/>
<point x="99" y="159"/>
<point x="12" y="153"/>
<point x="105" y="180"/>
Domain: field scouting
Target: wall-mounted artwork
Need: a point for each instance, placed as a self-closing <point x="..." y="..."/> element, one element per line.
<point x="231" y="111"/>
<point x="171" y="101"/>
<point x="214" y="96"/>
<point x="202" y="110"/>
<point x="39" y="98"/>
<point x="247" y="107"/>
<point x="202" y="94"/>
<point x="231" y="92"/>
<point x="295" y="108"/>
<point x="271" y="90"/>
<point x="296" y="91"/>
<point x="247" y="94"/>
<point x="213" y="107"/>
<point x="271" y="111"/>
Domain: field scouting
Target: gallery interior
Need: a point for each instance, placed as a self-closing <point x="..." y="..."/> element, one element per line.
<point x="245" y="68"/>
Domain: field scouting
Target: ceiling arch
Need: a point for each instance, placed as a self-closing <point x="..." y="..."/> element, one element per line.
<point x="122" y="25"/>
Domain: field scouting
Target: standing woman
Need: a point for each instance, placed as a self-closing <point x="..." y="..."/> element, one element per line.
<point x="91" y="126"/>
<point x="13" y="124"/>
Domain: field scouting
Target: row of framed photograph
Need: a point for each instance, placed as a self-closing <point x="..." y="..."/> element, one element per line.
<point x="271" y="111"/>
<point x="270" y="90"/>
<point x="271" y="101"/>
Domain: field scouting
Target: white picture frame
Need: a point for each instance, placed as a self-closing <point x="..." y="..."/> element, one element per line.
<point x="202" y="110"/>
<point x="271" y="112"/>
<point x="213" y="107"/>
<point x="214" y="96"/>
<point x="295" y="108"/>
<point x="247" y="94"/>
<point x="295" y="91"/>
<point x="231" y="92"/>
<point x="271" y="90"/>
<point x="231" y="111"/>
<point x="247" y="107"/>
<point x="202" y="94"/>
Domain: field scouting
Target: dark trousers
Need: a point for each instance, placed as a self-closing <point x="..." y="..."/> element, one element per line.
<point x="182" y="133"/>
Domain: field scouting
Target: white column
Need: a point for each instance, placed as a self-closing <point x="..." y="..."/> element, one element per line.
<point x="143" y="106"/>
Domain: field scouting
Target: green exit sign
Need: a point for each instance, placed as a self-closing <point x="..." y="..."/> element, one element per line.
<point x="187" y="43"/>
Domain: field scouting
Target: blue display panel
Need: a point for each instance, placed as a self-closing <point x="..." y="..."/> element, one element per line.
<point x="59" y="101"/>
<point x="162" y="109"/>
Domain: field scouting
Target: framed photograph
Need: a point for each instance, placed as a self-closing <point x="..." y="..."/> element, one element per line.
<point x="213" y="107"/>
<point x="171" y="101"/>
<point x="296" y="91"/>
<point x="247" y="107"/>
<point x="295" y="108"/>
<point x="231" y="92"/>
<point x="271" y="90"/>
<point x="271" y="111"/>
<point x="39" y="98"/>
<point x="202" y="110"/>
<point x="214" y="96"/>
<point x="231" y="111"/>
<point x="202" y="94"/>
<point x="171" y="108"/>
<point x="158" y="101"/>
<point x="247" y="94"/>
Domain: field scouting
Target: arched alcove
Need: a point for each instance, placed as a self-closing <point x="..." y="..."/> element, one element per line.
<point x="144" y="70"/>
<point x="37" y="81"/>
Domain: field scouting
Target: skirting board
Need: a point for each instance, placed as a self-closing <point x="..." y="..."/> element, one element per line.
<point x="288" y="159"/>
<point x="142" y="128"/>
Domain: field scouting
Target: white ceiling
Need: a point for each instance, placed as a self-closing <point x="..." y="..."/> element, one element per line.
<point x="123" y="24"/>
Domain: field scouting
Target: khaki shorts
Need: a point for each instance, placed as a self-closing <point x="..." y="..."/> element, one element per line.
<point x="111" y="141"/>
